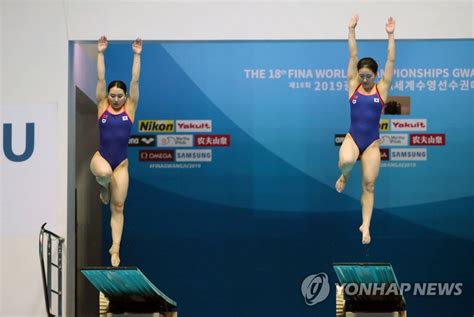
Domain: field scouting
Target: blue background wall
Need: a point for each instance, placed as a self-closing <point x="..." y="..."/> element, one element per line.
<point x="237" y="236"/>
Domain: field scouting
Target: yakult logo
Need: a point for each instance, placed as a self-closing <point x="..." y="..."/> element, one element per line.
<point x="193" y="126"/>
<point x="409" y="125"/>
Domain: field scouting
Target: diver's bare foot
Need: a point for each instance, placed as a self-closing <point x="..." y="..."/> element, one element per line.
<point x="104" y="195"/>
<point x="341" y="183"/>
<point x="365" y="234"/>
<point x="114" y="255"/>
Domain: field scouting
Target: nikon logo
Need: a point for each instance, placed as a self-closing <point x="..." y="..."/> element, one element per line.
<point x="156" y="126"/>
<point x="384" y="125"/>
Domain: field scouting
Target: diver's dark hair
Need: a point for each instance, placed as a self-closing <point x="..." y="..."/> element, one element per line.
<point x="368" y="62"/>
<point x="119" y="84"/>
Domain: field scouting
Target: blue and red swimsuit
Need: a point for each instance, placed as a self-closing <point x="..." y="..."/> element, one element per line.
<point x="114" y="132"/>
<point x="365" y="118"/>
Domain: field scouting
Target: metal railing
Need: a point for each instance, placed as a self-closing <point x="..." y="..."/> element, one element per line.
<point x="46" y="269"/>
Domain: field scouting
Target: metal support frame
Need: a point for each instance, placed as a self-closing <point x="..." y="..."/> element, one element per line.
<point x="46" y="270"/>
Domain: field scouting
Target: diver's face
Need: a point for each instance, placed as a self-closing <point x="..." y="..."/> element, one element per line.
<point x="116" y="97"/>
<point x="366" y="77"/>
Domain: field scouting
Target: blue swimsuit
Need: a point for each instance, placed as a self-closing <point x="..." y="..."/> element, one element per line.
<point x="114" y="132"/>
<point x="365" y="117"/>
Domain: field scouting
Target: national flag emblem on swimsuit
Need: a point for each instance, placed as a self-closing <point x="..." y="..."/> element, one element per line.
<point x="124" y="118"/>
<point x="377" y="100"/>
